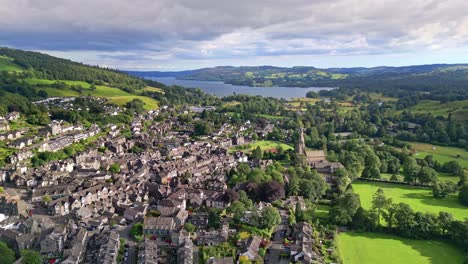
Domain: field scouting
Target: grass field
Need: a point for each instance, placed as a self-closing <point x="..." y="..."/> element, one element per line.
<point x="264" y="145"/>
<point x="6" y="64"/>
<point x="115" y="95"/>
<point x="420" y="199"/>
<point x="440" y="153"/>
<point x="371" y="248"/>
<point x="459" y="109"/>
<point x="273" y="117"/>
<point x="321" y="211"/>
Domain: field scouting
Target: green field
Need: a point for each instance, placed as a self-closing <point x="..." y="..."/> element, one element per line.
<point x="419" y="198"/>
<point x="6" y="64"/>
<point x="273" y="117"/>
<point x="371" y="248"/>
<point x="265" y="145"/>
<point x="459" y="109"/>
<point x="440" y="153"/>
<point x="115" y="95"/>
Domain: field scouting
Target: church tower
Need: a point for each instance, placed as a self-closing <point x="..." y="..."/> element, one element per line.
<point x="300" y="146"/>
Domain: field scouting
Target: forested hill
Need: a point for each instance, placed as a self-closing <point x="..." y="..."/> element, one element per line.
<point x="44" y="66"/>
<point x="27" y="76"/>
<point x="421" y="77"/>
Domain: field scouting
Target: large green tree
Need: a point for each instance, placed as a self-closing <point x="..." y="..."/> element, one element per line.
<point x="270" y="217"/>
<point x="463" y="195"/>
<point x="344" y="208"/>
<point x="7" y="255"/>
<point x="410" y="170"/>
<point x="31" y="257"/>
<point x="380" y="203"/>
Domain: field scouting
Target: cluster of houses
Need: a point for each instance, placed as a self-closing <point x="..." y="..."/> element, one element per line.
<point x="78" y="209"/>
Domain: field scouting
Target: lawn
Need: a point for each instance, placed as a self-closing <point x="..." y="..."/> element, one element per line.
<point x="321" y="211"/>
<point x="363" y="248"/>
<point x="419" y="198"/>
<point x="440" y="153"/>
<point x="6" y="64"/>
<point x="265" y="145"/>
<point x="459" y="109"/>
<point x="273" y="117"/>
<point x="115" y="95"/>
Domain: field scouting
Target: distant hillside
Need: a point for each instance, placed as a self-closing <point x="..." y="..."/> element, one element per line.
<point x="44" y="66"/>
<point x="32" y="75"/>
<point x="420" y="77"/>
<point x="27" y="76"/>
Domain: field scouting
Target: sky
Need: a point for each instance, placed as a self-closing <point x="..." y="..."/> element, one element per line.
<point x="171" y="35"/>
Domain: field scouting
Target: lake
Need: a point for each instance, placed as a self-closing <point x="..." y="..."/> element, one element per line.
<point x="223" y="89"/>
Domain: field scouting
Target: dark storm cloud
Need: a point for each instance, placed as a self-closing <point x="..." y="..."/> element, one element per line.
<point x="163" y="31"/>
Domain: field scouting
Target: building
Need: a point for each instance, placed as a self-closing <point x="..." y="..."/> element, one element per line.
<point x="158" y="226"/>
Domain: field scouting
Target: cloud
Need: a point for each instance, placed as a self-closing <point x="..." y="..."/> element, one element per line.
<point x="148" y="33"/>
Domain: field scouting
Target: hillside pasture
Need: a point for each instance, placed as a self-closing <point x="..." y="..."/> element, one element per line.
<point x="419" y="198"/>
<point x="7" y="64"/>
<point x="440" y="153"/>
<point x="459" y="109"/>
<point x="373" y="248"/>
<point x="115" y="95"/>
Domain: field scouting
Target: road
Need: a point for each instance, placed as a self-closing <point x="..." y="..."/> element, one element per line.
<point x="274" y="252"/>
<point x="132" y="245"/>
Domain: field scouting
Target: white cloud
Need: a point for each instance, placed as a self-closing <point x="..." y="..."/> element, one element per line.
<point x="148" y="33"/>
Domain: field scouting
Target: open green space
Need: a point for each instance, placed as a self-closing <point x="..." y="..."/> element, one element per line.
<point x="321" y="211"/>
<point x="116" y="96"/>
<point x="6" y="64"/>
<point x="372" y="248"/>
<point x="265" y="145"/>
<point x="273" y="117"/>
<point x="419" y="198"/>
<point x="440" y="153"/>
<point x="459" y="109"/>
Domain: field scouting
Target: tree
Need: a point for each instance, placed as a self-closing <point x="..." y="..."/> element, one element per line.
<point x="372" y="167"/>
<point x="271" y="191"/>
<point x="379" y="203"/>
<point x="443" y="189"/>
<point x="389" y="214"/>
<point x="202" y="128"/>
<point x="453" y="167"/>
<point x="344" y="208"/>
<point x="46" y="199"/>
<point x="214" y="218"/>
<point x="362" y="220"/>
<point x="114" y="168"/>
<point x="257" y="153"/>
<point x="445" y="221"/>
<point x="6" y="253"/>
<point x="136" y="105"/>
<point x="136" y="232"/>
<point x="270" y="217"/>
<point x="298" y="213"/>
<point x="410" y="170"/>
<point x="31" y="257"/>
<point x="427" y="175"/>
<point x="238" y="209"/>
<point x="189" y="227"/>
<point x="405" y="221"/>
<point x="463" y="195"/>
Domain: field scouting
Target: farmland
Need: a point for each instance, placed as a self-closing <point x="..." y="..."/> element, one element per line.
<point x="440" y="153"/>
<point x="459" y="109"/>
<point x="6" y="64"/>
<point x="419" y="198"/>
<point x="115" y="95"/>
<point x="362" y="248"/>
